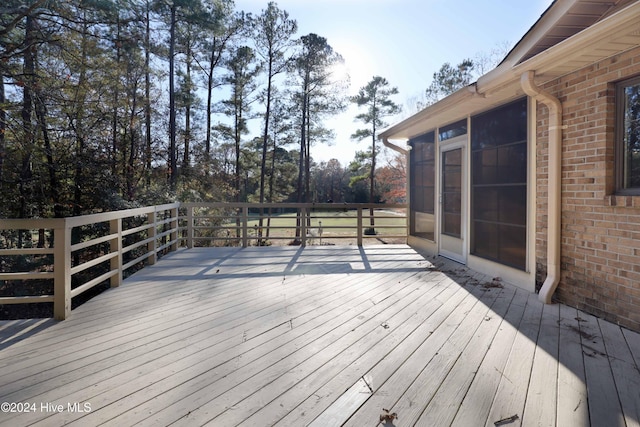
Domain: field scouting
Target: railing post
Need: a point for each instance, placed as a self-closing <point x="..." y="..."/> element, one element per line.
<point x="62" y="272"/>
<point x="173" y="236"/>
<point x="153" y="242"/>
<point x="115" y="226"/>
<point x="407" y="224"/>
<point x="359" y="226"/>
<point x="303" y="228"/>
<point x="190" y="230"/>
<point x="245" y="226"/>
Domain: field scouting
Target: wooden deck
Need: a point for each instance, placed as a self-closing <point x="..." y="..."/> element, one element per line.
<point x="321" y="336"/>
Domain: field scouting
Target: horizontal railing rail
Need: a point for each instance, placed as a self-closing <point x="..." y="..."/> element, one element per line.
<point x="55" y="260"/>
<point x="83" y="252"/>
<point x="220" y="224"/>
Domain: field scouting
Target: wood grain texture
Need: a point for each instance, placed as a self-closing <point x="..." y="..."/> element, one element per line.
<point x="322" y="335"/>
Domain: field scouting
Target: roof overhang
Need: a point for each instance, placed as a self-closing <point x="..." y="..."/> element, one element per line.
<point x="562" y="20"/>
<point x="612" y="35"/>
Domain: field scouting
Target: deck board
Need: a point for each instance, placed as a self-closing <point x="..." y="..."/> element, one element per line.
<point x="258" y="355"/>
<point x="625" y="372"/>
<point x="291" y="368"/>
<point x="540" y="405"/>
<point x="572" y="391"/>
<point x="350" y="348"/>
<point x="375" y="368"/>
<point x="415" y="384"/>
<point x="323" y="336"/>
<point x="510" y="397"/>
<point x="633" y="341"/>
<point x="478" y="399"/>
<point x="445" y="404"/>
<point x="373" y="347"/>
<point x="601" y="386"/>
<point x="147" y="339"/>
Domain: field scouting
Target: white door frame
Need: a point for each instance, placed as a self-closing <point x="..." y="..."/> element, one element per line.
<point x="449" y="246"/>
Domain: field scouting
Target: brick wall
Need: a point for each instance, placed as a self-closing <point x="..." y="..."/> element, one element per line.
<point x="600" y="265"/>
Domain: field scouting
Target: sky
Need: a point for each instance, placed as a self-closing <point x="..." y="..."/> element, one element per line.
<point x="404" y="41"/>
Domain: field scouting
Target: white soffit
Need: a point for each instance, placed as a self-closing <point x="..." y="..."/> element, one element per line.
<point x="563" y="19"/>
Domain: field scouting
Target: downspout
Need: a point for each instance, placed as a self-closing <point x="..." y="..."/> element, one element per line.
<point x="394" y="147"/>
<point x="554" y="181"/>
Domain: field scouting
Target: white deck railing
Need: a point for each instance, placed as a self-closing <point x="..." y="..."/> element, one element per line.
<point x="244" y="224"/>
<point x="83" y="252"/>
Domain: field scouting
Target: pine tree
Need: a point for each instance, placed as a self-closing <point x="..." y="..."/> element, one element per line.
<point x="448" y="80"/>
<point x="375" y="97"/>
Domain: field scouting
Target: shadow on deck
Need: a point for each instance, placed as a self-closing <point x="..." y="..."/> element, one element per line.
<point x="322" y="335"/>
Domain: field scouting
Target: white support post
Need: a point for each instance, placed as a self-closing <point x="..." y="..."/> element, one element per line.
<point x="359" y="226"/>
<point x="153" y="243"/>
<point x="303" y="228"/>
<point x="245" y="226"/>
<point x="190" y="230"/>
<point x="115" y="226"/>
<point x="174" y="229"/>
<point x="62" y="272"/>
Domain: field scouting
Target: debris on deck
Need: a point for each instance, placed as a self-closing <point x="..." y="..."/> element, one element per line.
<point x="387" y="417"/>
<point x="507" y="420"/>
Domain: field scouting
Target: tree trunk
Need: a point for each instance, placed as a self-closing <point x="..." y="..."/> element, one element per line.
<point x="272" y="173"/>
<point x="372" y="179"/>
<point x="265" y="135"/>
<point x="116" y="100"/>
<point x="41" y="114"/>
<point x="217" y="48"/>
<point x="265" y="139"/>
<point x="79" y="126"/>
<point x="186" y="159"/>
<point x="238" y="114"/>
<point x="301" y="162"/>
<point x="207" y="144"/>
<point x="307" y="161"/>
<point x="133" y="146"/>
<point x="25" y="183"/>
<point x="237" y="139"/>
<point x="147" y="93"/>
<point x="173" y="158"/>
<point x="3" y="129"/>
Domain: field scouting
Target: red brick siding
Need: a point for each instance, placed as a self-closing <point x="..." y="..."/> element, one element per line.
<point x="600" y="242"/>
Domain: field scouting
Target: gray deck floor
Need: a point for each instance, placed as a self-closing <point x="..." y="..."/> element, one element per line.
<point x="323" y="335"/>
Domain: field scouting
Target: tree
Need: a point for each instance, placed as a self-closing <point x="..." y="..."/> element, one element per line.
<point x="484" y="62"/>
<point x="392" y="179"/>
<point x="242" y="79"/>
<point x="281" y="130"/>
<point x="126" y="79"/>
<point x="273" y="31"/>
<point x="330" y="182"/>
<point x="201" y="20"/>
<point x="182" y="13"/>
<point x="87" y="123"/>
<point x="448" y="80"/>
<point x="147" y="89"/>
<point x="318" y="94"/>
<point x="359" y="169"/>
<point x="272" y="36"/>
<point x="227" y="26"/>
<point x="375" y="97"/>
<point x="173" y="155"/>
